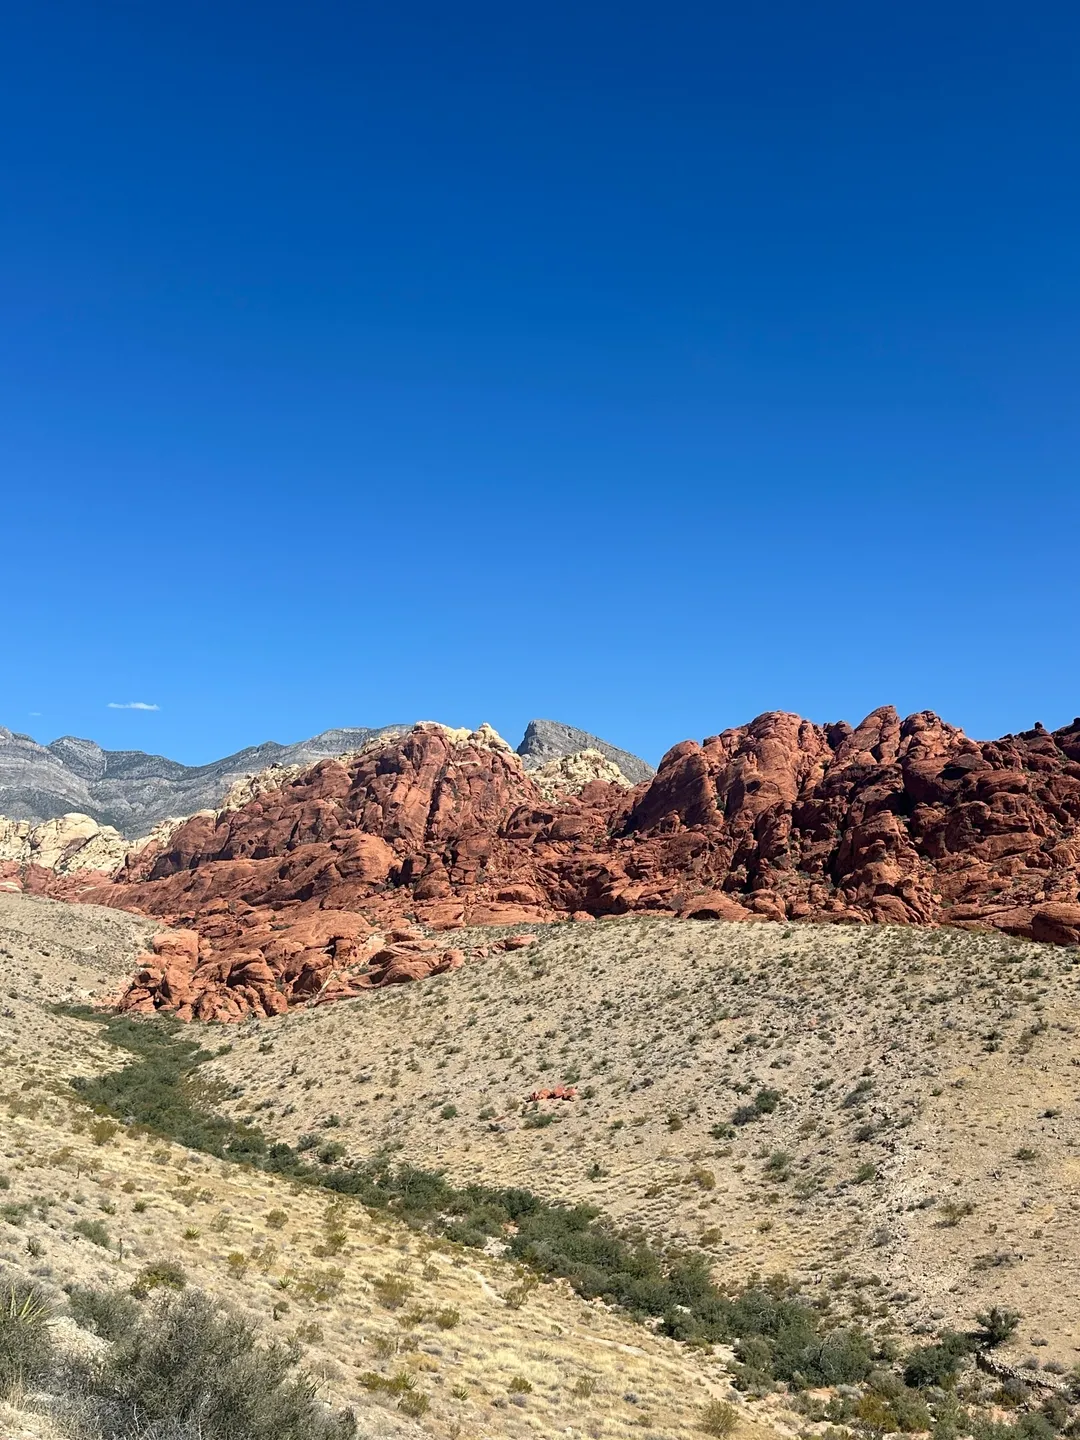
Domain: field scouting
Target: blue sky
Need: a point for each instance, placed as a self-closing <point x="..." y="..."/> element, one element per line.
<point x="641" y="366"/>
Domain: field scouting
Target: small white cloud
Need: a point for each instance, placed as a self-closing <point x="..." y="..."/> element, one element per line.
<point x="35" y="714"/>
<point x="132" y="705"/>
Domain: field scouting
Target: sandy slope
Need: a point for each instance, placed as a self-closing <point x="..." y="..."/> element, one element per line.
<point x="922" y="1162"/>
<point x="158" y="1200"/>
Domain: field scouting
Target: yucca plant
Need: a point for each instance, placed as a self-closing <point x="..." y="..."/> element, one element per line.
<point x="26" y="1342"/>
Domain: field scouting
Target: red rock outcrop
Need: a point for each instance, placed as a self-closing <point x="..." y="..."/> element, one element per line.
<point x="905" y="822"/>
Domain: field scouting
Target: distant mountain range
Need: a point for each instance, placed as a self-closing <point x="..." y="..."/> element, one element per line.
<point x="132" y="790"/>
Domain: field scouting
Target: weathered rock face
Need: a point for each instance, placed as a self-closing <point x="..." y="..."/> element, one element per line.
<point x="66" y="845"/>
<point x="569" y="774"/>
<point x="64" y="857"/>
<point x="892" y="821"/>
<point x="324" y="956"/>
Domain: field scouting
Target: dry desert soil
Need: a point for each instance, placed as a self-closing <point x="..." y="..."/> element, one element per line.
<point x="888" y="1116"/>
<point x="922" y="1159"/>
<point x="486" y="1361"/>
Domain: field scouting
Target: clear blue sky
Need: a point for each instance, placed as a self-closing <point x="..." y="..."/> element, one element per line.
<point x="646" y="366"/>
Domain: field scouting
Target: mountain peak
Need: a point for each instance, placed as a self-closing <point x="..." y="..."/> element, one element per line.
<point x="547" y="740"/>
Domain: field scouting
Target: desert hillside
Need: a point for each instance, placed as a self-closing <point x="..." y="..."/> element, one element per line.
<point x="887" y="822"/>
<point x="591" y="1053"/>
<point x="302" y="883"/>
<point x="887" y="1113"/>
<point x="416" y="1335"/>
<point x="794" y="1165"/>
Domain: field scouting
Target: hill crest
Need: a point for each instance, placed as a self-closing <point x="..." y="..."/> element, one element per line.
<point x="891" y="821"/>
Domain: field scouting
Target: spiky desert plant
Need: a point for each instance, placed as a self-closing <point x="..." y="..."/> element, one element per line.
<point x="26" y="1342"/>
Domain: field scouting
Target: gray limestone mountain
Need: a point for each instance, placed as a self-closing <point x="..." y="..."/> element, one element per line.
<point x="547" y="740"/>
<point x="134" y="791"/>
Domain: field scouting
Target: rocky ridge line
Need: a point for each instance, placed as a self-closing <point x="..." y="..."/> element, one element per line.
<point x="892" y="821"/>
<point x="132" y="791"/>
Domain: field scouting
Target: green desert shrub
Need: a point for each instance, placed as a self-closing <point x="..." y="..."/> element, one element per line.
<point x="937" y="1364"/>
<point x="781" y="1338"/>
<point x="719" y="1419"/>
<point x="26" y="1342"/>
<point x="107" y="1313"/>
<point x="1055" y="1411"/>
<point x="859" y="1094"/>
<point x="102" y="1130"/>
<point x="161" y="1091"/>
<point x="392" y="1291"/>
<point x="161" y="1275"/>
<point x="996" y="1326"/>
<point x="763" y="1103"/>
<point x="94" y="1231"/>
<point x="192" y="1368"/>
<point x="953" y="1211"/>
<point x="1031" y="1426"/>
<point x="888" y="1405"/>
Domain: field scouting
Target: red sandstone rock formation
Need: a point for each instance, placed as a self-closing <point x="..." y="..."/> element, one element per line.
<point x="907" y="822"/>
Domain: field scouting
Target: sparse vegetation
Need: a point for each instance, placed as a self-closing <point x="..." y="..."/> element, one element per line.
<point x="953" y="1211"/>
<point x="719" y="1419"/>
<point x="94" y="1231"/>
<point x="764" y="1103"/>
<point x="746" y="1193"/>
<point x="568" y="1242"/>
<point x="997" y="1325"/>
